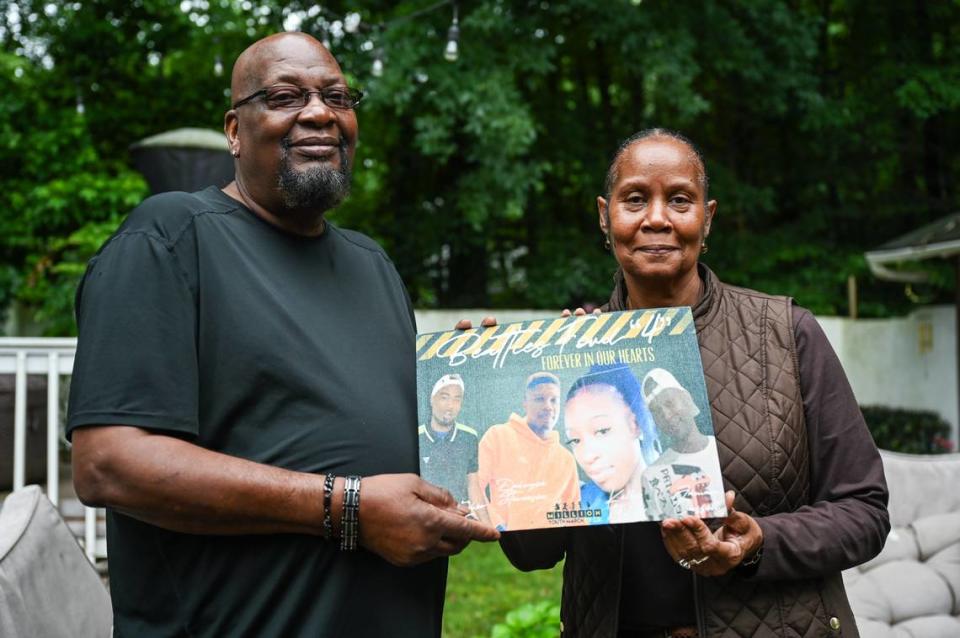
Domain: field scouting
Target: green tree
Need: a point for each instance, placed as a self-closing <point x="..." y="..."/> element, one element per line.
<point x="827" y="127"/>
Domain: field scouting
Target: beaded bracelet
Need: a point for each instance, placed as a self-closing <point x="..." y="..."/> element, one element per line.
<point x="350" y="517"/>
<point x="328" y="481"/>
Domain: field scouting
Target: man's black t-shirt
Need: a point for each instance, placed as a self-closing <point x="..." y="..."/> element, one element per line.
<point x="200" y="320"/>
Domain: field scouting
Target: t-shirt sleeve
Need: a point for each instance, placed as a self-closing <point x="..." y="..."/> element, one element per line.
<point x="136" y="361"/>
<point x="846" y="522"/>
<point x="486" y="458"/>
<point x="472" y="458"/>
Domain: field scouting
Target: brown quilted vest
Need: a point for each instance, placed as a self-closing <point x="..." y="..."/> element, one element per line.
<point x="750" y="365"/>
<point x="752" y="375"/>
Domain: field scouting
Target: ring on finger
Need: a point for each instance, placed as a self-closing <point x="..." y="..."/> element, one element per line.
<point x="692" y="562"/>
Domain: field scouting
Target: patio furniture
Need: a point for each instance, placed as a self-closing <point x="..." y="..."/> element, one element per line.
<point x="47" y="586"/>
<point x="912" y="589"/>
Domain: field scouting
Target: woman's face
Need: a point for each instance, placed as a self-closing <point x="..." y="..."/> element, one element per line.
<point x="603" y="436"/>
<point x="656" y="217"/>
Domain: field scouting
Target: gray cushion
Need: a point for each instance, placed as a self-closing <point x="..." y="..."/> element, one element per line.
<point x="47" y="585"/>
<point x="912" y="588"/>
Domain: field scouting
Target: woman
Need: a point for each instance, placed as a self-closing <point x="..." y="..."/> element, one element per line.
<point x="610" y="432"/>
<point x="810" y="497"/>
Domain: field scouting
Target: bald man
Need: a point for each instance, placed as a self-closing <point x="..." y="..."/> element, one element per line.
<point x="238" y="357"/>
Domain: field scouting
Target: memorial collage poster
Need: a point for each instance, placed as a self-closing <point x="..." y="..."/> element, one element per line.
<point x="587" y="420"/>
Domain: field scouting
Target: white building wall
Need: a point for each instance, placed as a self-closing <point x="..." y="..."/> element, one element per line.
<point x="905" y="362"/>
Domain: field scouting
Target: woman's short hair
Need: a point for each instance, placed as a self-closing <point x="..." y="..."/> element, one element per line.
<point x="651" y="133"/>
<point x="621" y="378"/>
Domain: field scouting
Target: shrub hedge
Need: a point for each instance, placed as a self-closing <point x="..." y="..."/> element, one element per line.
<point x="911" y="431"/>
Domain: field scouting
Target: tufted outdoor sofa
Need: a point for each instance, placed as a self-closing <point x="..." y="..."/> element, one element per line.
<point x="912" y="589"/>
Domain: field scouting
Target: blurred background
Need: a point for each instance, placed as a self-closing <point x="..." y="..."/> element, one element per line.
<point x="828" y="128"/>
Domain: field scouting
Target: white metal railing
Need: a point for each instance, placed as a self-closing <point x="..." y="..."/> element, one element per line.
<point x="52" y="357"/>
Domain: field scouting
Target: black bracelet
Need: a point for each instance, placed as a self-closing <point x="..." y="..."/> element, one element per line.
<point x="328" y="481"/>
<point x="350" y="517"/>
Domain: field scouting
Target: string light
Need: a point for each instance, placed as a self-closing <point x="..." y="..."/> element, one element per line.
<point x="452" y="50"/>
<point x="218" y="66"/>
<point x="327" y="23"/>
<point x="81" y="109"/>
<point x="325" y="37"/>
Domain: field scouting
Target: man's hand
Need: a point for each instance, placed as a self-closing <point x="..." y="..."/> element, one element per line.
<point x="407" y="521"/>
<point x="712" y="553"/>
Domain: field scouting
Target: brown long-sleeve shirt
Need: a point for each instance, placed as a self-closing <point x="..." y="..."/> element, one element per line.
<point x="845" y="524"/>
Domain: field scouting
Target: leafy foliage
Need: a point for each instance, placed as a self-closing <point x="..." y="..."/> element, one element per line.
<point x="827" y="127"/>
<point x="483" y="588"/>
<point x="533" y="620"/>
<point x="909" y="431"/>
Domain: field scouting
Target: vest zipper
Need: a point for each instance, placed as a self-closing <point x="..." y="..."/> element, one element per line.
<point x="698" y="608"/>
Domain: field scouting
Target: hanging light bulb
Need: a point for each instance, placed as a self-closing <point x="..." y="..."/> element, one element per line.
<point x="324" y="36"/>
<point x="376" y="70"/>
<point x="452" y="50"/>
<point x="81" y="108"/>
<point x="218" y="66"/>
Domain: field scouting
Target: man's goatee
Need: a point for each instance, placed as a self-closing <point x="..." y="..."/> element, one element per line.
<point x="317" y="188"/>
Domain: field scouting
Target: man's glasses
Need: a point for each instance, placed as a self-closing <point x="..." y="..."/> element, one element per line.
<point x="293" y="98"/>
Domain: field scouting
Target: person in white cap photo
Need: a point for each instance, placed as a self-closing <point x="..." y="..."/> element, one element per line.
<point x="448" y="449"/>
<point x="685" y="480"/>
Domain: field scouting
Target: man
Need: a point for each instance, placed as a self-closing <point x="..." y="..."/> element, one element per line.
<point x="235" y="348"/>
<point x="448" y="449"/>
<point x="523" y="465"/>
<point x="685" y="480"/>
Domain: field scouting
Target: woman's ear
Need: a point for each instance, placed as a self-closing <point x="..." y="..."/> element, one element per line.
<point x="711" y="210"/>
<point x="604" y="215"/>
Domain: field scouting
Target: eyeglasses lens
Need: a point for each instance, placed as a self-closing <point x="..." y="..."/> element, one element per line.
<point x="288" y="97"/>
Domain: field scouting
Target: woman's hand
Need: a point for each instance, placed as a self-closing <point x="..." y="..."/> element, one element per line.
<point x="691" y="543"/>
<point x="579" y="312"/>
<point x="487" y="322"/>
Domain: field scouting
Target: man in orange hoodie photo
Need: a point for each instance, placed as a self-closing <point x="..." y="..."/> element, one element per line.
<point x="523" y="467"/>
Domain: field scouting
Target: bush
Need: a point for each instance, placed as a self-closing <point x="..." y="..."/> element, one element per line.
<point x="533" y="620"/>
<point x="911" y="431"/>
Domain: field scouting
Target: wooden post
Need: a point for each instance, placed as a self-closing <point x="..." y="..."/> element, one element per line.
<point x="956" y="333"/>
<point x="852" y="296"/>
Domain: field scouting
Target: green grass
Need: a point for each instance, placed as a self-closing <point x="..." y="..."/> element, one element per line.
<point x="483" y="586"/>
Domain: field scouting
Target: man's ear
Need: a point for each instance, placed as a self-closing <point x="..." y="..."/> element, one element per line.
<point x="231" y="128"/>
<point x="604" y="215"/>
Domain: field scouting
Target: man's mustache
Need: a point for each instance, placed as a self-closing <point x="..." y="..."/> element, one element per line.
<point x="286" y="144"/>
